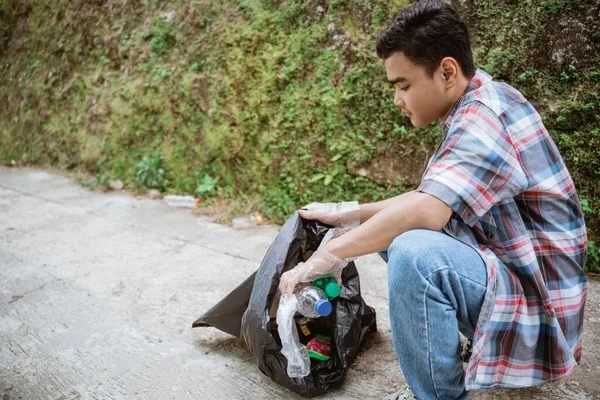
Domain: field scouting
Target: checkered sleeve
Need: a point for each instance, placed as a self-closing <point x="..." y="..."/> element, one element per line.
<point x="476" y="165"/>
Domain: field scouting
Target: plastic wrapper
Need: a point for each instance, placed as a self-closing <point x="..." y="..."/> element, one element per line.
<point x="298" y="365"/>
<point x="347" y="325"/>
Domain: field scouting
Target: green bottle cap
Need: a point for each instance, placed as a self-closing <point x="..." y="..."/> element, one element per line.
<point x="320" y="283"/>
<point x="332" y="290"/>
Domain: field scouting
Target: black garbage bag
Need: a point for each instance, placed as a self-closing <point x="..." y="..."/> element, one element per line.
<point x="227" y="314"/>
<point x="347" y="325"/>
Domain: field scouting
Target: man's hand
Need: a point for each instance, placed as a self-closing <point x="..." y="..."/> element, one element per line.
<point x="409" y="211"/>
<point x="340" y="215"/>
<point x="320" y="264"/>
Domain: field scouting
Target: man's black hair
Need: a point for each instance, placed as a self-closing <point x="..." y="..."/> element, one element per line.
<point x="426" y="32"/>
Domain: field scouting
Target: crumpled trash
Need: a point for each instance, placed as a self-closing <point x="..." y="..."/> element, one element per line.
<point x="249" y="312"/>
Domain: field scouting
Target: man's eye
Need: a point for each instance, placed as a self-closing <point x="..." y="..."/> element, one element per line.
<point x="405" y="88"/>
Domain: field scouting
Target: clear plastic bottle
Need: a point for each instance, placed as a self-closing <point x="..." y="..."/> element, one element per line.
<point x="313" y="302"/>
<point x="180" y="201"/>
<point x="246" y="222"/>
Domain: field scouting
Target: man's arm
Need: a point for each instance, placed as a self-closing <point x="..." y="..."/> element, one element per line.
<point x="413" y="210"/>
<point x="370" y="209"/>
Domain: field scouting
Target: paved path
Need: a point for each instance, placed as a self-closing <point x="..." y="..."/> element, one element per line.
<point x="98" y="292"/>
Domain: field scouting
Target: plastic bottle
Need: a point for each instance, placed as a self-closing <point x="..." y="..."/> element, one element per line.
<point x="180" y="201"/>
<point x="246" y="222"/>
<point x="313" y="302"/>
<point x="329" y="285"/>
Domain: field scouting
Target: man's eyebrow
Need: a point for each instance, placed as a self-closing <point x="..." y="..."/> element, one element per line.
<point x="396" y="80"/>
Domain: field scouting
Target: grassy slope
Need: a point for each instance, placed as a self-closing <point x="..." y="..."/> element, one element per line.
<point x="283" y="101"/>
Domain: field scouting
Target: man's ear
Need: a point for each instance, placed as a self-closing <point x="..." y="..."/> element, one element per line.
<point x="450" y="71"/>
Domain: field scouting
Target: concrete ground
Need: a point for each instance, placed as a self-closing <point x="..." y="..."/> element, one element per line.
<point x="99" y="290"/>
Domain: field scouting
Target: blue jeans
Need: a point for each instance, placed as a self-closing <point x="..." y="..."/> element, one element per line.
<point x="436" y="289"/>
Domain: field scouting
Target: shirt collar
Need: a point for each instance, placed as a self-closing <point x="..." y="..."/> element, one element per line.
<point x="479" y="79"/>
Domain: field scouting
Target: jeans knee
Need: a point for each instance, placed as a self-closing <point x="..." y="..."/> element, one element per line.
<point x="408" y="258"/>
<point x="410" y="244"/>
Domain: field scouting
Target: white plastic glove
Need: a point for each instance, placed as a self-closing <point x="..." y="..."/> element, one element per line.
<point x="340" y="215"/>
<point x="320" y="264"/>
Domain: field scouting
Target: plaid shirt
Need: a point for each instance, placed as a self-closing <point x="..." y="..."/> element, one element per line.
<point x="515" y="202"/>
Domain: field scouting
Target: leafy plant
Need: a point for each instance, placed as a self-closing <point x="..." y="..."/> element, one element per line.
<point x="162" y="36"/>
<point x="98" y="181"/>
<point x="207" y="186"/>
<point x="552" y="7"/>
<point x="150" y="172"/>
<point x="585" y="206"/>
<point x="593" y="260"/>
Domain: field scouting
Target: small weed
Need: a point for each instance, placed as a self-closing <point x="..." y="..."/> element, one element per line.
<point x="163" y="36"/>
<point x="570" y="75"/>
<point x="207" y="186"/>
<point x="99" y="181"/>
<point x="593" y="260"/>
<point x="585" y="207"/>
<point x="197" y="67"/>
<point x="551" y="7"/>
<point x="528" y="75"/>
<point x="150" y="172"/>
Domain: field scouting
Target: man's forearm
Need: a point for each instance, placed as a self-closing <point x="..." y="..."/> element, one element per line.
<point x="406" y="212"/>
<point x="370" y="209"/>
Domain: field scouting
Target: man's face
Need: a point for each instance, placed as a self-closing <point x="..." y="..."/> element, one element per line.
<point x="421" y="98"/>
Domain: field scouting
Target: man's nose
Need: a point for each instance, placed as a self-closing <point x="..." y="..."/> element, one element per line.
<point x="398" y="101"/>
